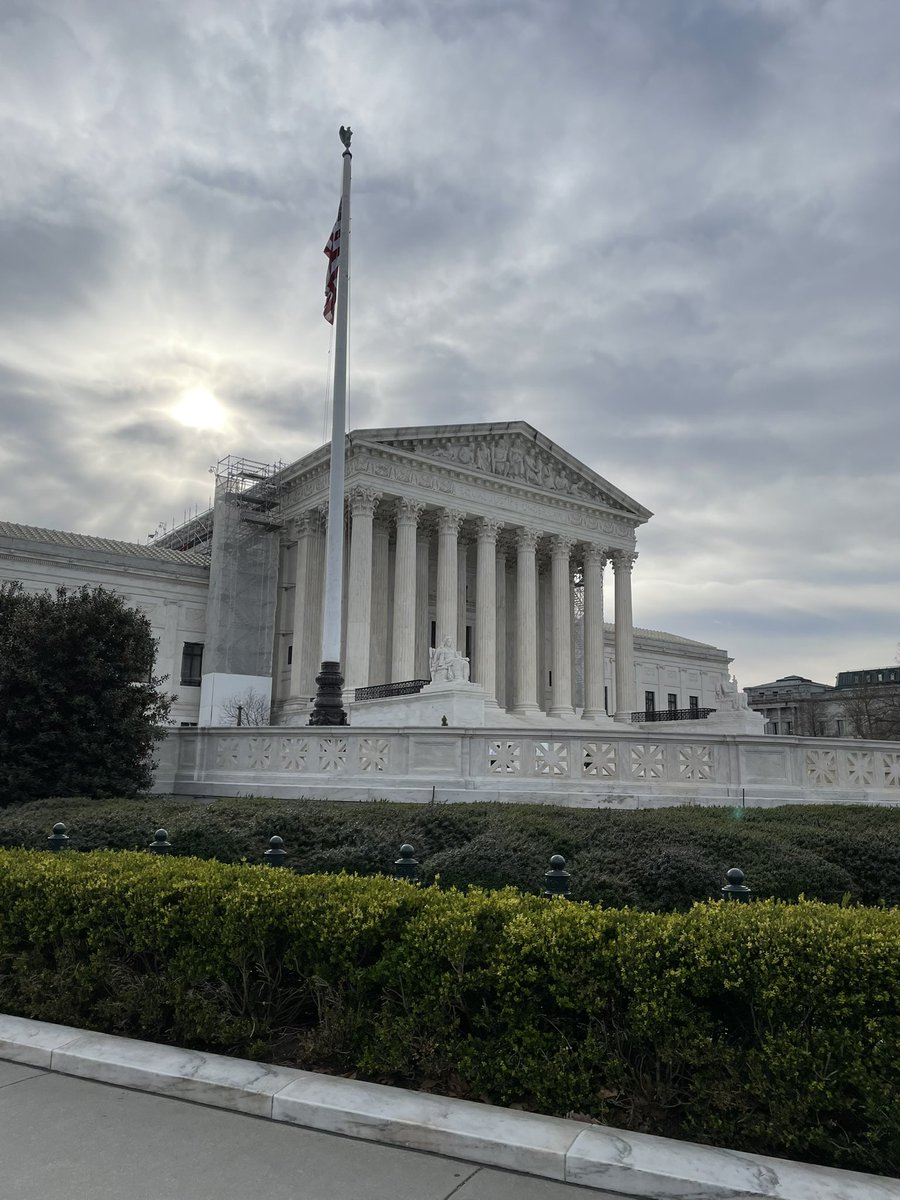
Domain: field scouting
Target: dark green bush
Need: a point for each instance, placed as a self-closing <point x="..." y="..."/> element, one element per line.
<point x="649" y="859"/>
<point x="766" y="1027"/>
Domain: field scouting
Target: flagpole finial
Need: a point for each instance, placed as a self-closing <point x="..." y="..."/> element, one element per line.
<point x="346" y="133"/>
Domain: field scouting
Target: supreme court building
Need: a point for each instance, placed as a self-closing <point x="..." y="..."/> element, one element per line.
<point x="489" y="534"/>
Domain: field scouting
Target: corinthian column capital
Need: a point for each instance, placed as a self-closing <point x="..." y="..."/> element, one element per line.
<point x="488" y="529"/>
<point x="363" y="500"/>
<point x="449" y="520"/>
<point x="527" y="539"/>
<point x="623" y="560"/>
<point x="595" y="556"/>
<point x="561" y="547"/>
<point x="409" y="511"/>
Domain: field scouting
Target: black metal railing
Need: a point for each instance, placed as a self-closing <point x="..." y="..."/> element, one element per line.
<point x="381" y="691"/>
<point x="671" y="714"/>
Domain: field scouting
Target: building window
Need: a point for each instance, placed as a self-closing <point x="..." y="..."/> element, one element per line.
<point x="191" y="664"/>
<point x="188" y="724"/>
<point x="840" y="727"/>
<point x="606" y="700"/>
<point x="693" y="705"/>
<point x="433" y="631"/>
<point x="649" y="702"/>
<point x="789" y="727"/>
<point x="673" y="702"/>
<point x="290" y="655"/>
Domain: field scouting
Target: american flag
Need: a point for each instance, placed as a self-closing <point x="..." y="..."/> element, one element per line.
<point x="332" y="253"/>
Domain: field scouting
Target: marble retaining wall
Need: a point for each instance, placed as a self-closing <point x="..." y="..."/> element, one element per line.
<point x="627" y="768"/>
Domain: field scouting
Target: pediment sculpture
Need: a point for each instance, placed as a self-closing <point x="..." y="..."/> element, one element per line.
<point x="514" y="458"/>
<point x="447" y="664"/>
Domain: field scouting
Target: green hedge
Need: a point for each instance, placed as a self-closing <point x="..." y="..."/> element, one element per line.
<point x="649" y="859"/>
<point x="766" y="1027"/>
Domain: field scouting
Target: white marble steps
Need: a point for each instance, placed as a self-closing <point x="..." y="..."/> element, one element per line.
<point x="592" y="1156"/>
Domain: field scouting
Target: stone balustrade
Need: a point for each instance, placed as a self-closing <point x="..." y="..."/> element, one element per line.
<point x="614" y="767"/>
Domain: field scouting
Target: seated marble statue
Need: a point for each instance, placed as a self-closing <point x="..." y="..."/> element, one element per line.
<point x="729" y="695"/>
<point x="447" y="664"/>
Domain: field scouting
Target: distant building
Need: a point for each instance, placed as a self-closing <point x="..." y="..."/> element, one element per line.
<point x="785" y="703"/>
<point x="862" y="703"/>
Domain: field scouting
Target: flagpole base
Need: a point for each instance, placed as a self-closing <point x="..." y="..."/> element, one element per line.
<point x="328" y="708"/>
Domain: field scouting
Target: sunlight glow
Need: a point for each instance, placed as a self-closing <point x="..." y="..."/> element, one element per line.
<point x="199" y="409"/>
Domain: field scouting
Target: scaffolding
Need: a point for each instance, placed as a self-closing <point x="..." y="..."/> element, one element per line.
<point x="255" y="490"/>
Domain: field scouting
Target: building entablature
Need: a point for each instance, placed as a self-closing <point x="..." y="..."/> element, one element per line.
<point x="402" y="474"/>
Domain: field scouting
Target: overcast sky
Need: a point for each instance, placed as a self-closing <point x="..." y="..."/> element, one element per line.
<point x="665" y="232"/>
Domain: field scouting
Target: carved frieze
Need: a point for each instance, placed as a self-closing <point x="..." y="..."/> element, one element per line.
<point x="511" y="457"/>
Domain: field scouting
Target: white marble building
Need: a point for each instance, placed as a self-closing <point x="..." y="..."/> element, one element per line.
<point x="489" y="533"/>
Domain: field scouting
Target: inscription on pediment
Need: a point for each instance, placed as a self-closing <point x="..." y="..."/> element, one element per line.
<point x="514" y="458"/>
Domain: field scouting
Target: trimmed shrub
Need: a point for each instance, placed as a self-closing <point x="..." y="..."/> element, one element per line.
<point x="657" y="860"/>
<point x="765" y="1027"/>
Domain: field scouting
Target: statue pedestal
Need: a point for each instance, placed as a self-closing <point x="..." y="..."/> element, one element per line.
<point x="461" y="703"/>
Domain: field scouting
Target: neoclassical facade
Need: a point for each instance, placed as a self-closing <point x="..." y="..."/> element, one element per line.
<point x="489" y="534"/>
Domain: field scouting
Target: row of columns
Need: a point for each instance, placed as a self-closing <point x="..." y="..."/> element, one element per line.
<point x="410" y="611"/>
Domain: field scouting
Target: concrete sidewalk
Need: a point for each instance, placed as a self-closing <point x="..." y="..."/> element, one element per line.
<point x="63" y="1138"/>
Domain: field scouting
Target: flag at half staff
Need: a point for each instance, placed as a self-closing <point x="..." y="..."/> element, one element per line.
<point x="332" y="253"/>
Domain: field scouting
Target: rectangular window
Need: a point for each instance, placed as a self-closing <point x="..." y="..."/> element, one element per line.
<point x="649" y="702"/>
<point x="469" y="642"/>
<point x="840" y="728"/>
<point x="693" y="705"/>
<point x="606" y="700"/>
<point x="789" y="727"/>
<point x="673" y="702"/>
<point x="433" y="631"/>
<point x="188" y="724"/>
<point x="290" y="655"/>
<point x="191" y="664"/>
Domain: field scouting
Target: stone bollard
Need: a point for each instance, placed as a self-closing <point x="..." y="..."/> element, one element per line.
<point x="406" y="866"/>
<point x="160" y="843"/>
<point x="58" y="839"/>
<point x="276" y="853"/>
<point x="735" y="889"/>
<point x="556" y="879"/>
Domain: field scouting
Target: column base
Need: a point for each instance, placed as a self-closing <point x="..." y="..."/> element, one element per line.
<point x="599" y="716"/>
<point x="561" y="710"/>
<point x="624" y="717"/>
<point x="527" y="710"/>
<point x="328" y="708"/>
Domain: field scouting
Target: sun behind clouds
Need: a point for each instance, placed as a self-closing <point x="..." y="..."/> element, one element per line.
<point x="200" y="409"/>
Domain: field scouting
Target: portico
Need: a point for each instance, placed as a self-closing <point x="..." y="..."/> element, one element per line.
<point x="488" y="534"/>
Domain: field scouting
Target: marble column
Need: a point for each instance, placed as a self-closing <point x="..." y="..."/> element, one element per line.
<point x="403" y="644"/>
<point x="305" y="588"/>
<point x="462" y="582"/>
<point x="526" y="623"/>
<point x="484" y="671"/>
<point x="359" y="586"/>
<point x="302" y="529"/>
<point x="449" y="521"/>
<point x="379" y="650"/>
<point x="500" y="627"/>
<point x="423" y="620"/>
<point x="561" y="643"/>
<point x="595" y="560"/>
<point x="626" y="698"/>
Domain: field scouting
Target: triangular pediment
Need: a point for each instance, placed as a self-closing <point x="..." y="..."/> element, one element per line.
<point x="512" y="452"/>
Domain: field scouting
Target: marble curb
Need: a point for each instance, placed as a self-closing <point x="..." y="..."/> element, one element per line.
<point x="594" y="1156"/>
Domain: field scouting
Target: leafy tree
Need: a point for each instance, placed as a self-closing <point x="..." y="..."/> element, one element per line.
<point x="80" y="709"/>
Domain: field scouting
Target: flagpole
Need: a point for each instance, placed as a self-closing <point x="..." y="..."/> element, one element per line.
<point x="328" y="708"/>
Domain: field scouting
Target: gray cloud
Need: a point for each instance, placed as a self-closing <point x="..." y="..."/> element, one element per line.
<point x="664" y="234"/>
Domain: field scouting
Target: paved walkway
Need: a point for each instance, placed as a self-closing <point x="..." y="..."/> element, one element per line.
<point x="63" y="1138"/>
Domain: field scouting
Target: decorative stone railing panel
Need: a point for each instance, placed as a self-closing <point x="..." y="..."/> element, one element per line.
<point x="507" y="763"/>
